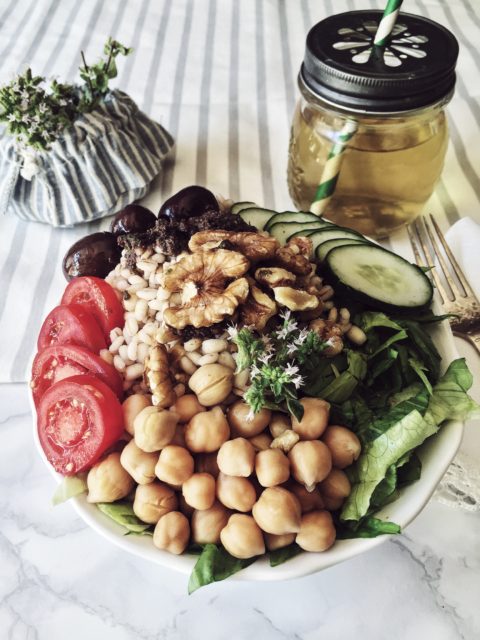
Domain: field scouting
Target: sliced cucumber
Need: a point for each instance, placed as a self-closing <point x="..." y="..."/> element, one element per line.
<point x="256" y="216"/>
<point x="375" y="275"/>
<point x="323" y="248"/>
<point x="292" y="216"/>
<point x="283" y="231"/>
<point x="240" y="206"/>
<point x="317" y="236"/>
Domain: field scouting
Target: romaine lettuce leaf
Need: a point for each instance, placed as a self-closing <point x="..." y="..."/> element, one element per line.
<point x="449" y="400"/>
<point x="214" y="564"/>
<point x="69" y="487"/>
<point x="342" y="386"/>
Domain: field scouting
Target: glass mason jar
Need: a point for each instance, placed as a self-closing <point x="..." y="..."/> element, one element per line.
<point x="396" y="97"/>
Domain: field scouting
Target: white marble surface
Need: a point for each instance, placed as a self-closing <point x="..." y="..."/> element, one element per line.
<point x="59" y="579"/>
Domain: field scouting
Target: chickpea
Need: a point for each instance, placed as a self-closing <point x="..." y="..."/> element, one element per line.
<point x="344" y="445"/>
<point x="310" y="461"/>
<point x="239" y="419"/>
<point x="207" y="463"/>
<point x="139" y="464"/>
<point x="199" y="491"/>
<point x="172" y="533"/>
<point x="207" y="431"/>
<point x="332" y="504"/>
<point x="212" y="383"/>
<point x="132" y="407"/>
<point x="186" y="407"/>
<point x="152" y="501"/>
<point x="242" y="537"/>
<point x="278" y="542"/>
<point x="272" y="467"/>
<point x="336" y="485"/>
<point x="236" y="457"/>
<point x="309" y="500"/>
<point x="317" y="532"/>
<point x="108" y="481"/>
<point x="207" y="524"/>
<point x="315" y="418"/>
<point x="174" y="466"/>
<point x="185" y="508"/>
<point x="236" y="493"/>
<point x="277" y="511"/>
<point x="279" y="423"/>
<point x="261" y="442"/>
<point x="154" y="428"/>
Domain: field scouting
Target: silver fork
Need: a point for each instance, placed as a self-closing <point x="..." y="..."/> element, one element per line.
<point x="464" y="304"/>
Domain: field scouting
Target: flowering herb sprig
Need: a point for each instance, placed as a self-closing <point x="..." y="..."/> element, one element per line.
<point x="36" y="112"/>
<point x="276" y="361"/>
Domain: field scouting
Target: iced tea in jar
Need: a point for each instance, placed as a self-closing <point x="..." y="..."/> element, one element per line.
<point x="396" y="95"/>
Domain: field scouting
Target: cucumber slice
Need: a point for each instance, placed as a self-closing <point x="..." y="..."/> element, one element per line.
<point x="240" y="206"/>
<point x="292" y="216"/>
<point x="323" y="248"/>
<point x="379" y="277"/>
<point x="256" y="216"/>
<point x="284" y="231"/>
<point x="317" y="236"/>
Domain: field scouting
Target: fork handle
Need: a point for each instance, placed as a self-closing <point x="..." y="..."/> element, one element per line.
<point x="473" y="338"/>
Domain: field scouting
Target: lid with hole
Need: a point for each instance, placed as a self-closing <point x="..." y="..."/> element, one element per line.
<point x="414" y="69"/>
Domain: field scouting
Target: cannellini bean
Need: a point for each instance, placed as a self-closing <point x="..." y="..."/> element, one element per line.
<point x="135" y="279"/>
<point x="132" y="350"/>
<point x="118" y="363"/>
<point x="356" y="335"/>
<point x="106" y="355"/>
<point x="187" y="365"/>
<point x="195" y="357"/>
<point x="227" y="360"/>
<point x="209" y="358"/>
<point x="214" y="345"/>
<point x="192" y="345"/>
<point x="134" y="371"/>
<point x="141" y="309"/>
<point x="147" y="294"/>
<point x="240" y="380"/>
<point x="142" y="352"/>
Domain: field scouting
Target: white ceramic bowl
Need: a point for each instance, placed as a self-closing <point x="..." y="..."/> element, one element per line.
<point x="436" y="455"/>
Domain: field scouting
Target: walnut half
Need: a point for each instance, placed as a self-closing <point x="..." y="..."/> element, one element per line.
<point x="258" y="309"/>
<point x="274" y="277"/>
<point x="255" y="246"/>
<point x="295" y="300"/>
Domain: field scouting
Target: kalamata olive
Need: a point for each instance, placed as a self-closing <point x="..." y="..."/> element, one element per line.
<point x="133" y="219"/>
<point x="191" y="201"/>
<point x="93" y="255"/>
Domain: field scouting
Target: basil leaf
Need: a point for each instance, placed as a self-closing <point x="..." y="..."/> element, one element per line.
<point x="279" y="556"/>
<point x="69" y="487"/>
<point x="213" y="565"/>
<point x="122" y="513"/>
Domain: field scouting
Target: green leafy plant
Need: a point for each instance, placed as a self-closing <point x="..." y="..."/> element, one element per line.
<point x="37" y="111"/>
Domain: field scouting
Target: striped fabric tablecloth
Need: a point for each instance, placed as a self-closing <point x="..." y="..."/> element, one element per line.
<point x="221" y="77"/>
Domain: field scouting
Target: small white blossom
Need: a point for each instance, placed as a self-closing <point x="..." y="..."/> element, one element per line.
<point x="42" y="108"/>
<point x="298" y="381"/>
<point x="11" y="117"/>
<point x="232" y="331"/>
<point x="25" y="95"/>
<point x="291" y="348"/>
<point x="254" y="371"/>
<point x="26" y="119"/>
<point x="302" y="336"/>
<point x="265" y="358"/>
<point x="291" y="369"/>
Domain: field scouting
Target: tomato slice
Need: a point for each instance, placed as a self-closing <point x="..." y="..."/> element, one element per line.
<point x="99" y="298"/>
<point x="63" y="361"/>
<point x="71" y="324"/>
<point x="78" y="419"/>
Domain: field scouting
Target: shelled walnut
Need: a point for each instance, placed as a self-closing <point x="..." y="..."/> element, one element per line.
<point x="255" y="246"/>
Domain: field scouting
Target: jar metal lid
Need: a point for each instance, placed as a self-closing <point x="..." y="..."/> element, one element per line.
<point x="414" y="69"/>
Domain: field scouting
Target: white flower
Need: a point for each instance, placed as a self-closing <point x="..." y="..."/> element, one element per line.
<point x="25" y="95"/>
<point x="283" y="333"/>
<point x="11" y="117"/>
<point x="298" y="381"/>
<point x="291" y="369"/>
<point x="42" y="108"/>
<point x="267" y="343"/>
<point x="291" y="348"/>
<point x="232" y="331"/>
<point x="264" y="359"/>
<point x="26" y="119"/>
<point x="254" y="371"/>
<point x="302" y="336"/>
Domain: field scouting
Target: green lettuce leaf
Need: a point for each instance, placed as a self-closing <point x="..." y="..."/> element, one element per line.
<point x="214" y="564"/>
<point x="69" y="487"/>
<point x="372" y="319"/>
<point x="344" y="384"/>
<point x="449" y="400"/>
<point x="279" y="556"/>
<point x="368" y="527"/>
<point x="420" y="370"/>
<point x="122" y="513"/>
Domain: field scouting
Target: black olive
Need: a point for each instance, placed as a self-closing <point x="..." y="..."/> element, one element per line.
<point x="133" y="219"/>
<point x="189" y="202"/>
<point x="93" y="255"/>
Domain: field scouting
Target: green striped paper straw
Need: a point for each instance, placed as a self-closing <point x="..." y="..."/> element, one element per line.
<point x="387" y="22"/>
<point x="331" y="170"/>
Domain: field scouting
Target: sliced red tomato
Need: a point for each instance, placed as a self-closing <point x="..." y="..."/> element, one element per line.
<point x="63" y="361"/>
<point x="71" y="324"/>
<point x="78" y="419"/>
<point x="99" y="298"/>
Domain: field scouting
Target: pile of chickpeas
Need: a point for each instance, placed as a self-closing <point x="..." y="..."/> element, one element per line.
<point x="208" y="473"/>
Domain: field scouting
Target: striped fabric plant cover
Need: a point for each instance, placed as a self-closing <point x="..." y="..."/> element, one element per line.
<point x="104" y="161"/>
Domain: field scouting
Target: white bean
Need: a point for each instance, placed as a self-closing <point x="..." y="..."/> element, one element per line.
<point x="131" y="325"/>
<point x="116" y="344"/>
<point x="142" y="352"/>
<point x="187" y="365"/>
<point x="126" y="273"/>
<point x="134" y="371"/>
<point x="356" y="335"/>
<point x="150" y="328"/>
<point x="118" y="363"/>
<point x="156" y="305"/>
<point x="132" y="350"/>
<point x="227" y="360"/>
<point x="147" y="294"/>
<point x="163" y="294"/>
<point x="135" y="279"/>
<point x="115" y="333"/>
<point x="240" y="381"/>
<point x="123" y="352"/>
<point x="193" y="344"/>
<point x="121" y="284"/>
<point x="208" y="358"/>
<point x="146" y="267"/>
<point x="129" y="303"/>
<point x="144" y="337"/>
<point x="141" y="309"/>
<point x="214" y="345"/>
<point x="195" y="357"/>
